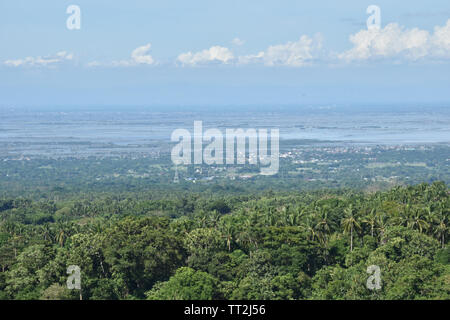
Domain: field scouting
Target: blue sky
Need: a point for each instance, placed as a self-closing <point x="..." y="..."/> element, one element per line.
<point x="224" y="52"/>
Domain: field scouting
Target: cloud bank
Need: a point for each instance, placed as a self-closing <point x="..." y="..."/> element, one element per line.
<point x="215" y="54"/>
<point x="394" y="41"/>
<point x="139" y="56"/>
<point x="39" y="61"/>
<point x="292" y="54"/>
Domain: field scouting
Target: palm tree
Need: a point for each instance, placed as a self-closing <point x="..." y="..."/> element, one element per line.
<point x="323" y="225"/>
<point x="371" y="220"/>
<point x="269" y="217"/>
<point x="350" y="223"/>
<point x="431" y="217"/>
<point x="214" y="218"/>
<point x="382" y="224"/>
<point x="417" y="221"/>
<point x="310" y="228"/>
<point x="45" y="231"/>
<point x="405" y="216"/>
<point x="201" y="219"/>
<point x="441" y="229"/>
<point x="228" y="231"/>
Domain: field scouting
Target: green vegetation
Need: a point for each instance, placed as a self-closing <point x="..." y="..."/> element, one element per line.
<point x="302" y="167"/>
<point x="228" y="245"/>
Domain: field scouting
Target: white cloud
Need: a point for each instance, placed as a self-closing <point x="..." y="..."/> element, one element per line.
<point x="293" y="53"/>
<point x="215" y="54"/>
<point x="252" y="58"/>
<point x="441" y="40"/>
<point x="394" y="41"/>
<point x="238" y="42"/>
<point x="139" y="56"/>
<point x="40" y="61"/>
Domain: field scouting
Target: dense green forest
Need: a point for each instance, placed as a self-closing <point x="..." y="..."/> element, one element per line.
<point x="220" y="245"/>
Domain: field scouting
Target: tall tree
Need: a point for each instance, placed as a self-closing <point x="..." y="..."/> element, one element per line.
<point x="350" y="223"/>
